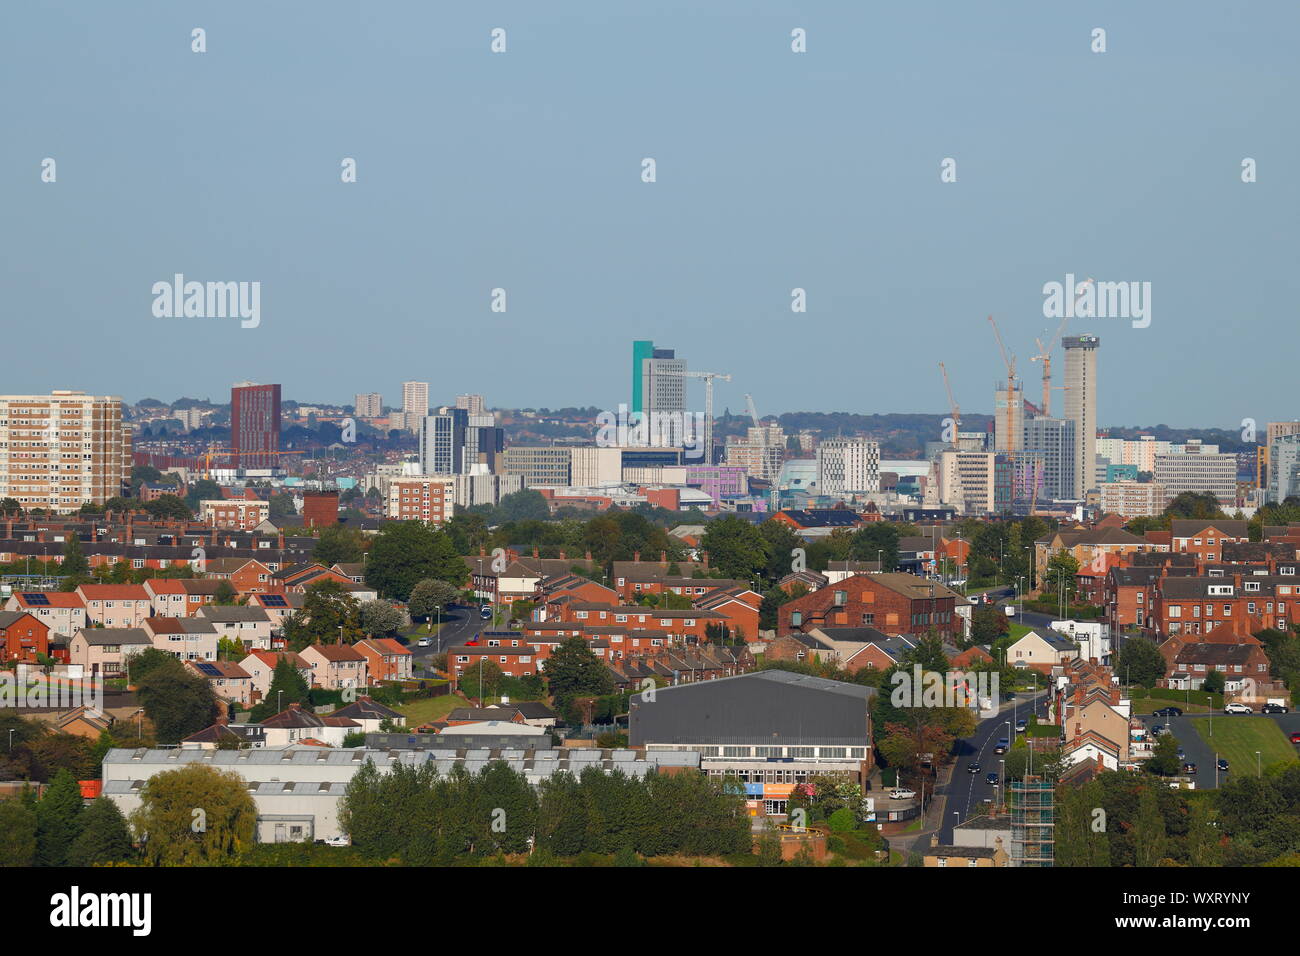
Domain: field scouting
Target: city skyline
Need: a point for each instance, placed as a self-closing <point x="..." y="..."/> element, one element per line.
<point x="821" y="171"/>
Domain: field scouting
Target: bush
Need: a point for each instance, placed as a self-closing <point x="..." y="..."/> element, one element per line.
<point x="842" y="820"/>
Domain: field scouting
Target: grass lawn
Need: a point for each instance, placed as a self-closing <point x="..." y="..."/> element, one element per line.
<point x="1237" y="739"/>
<point x="1019" y="630"/>
<point x="1148" y="705"/>
<point x="430" y="708"/>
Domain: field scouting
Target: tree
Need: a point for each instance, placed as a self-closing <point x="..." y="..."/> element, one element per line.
<point x="170" y="506"/>
<point x="281" y="506"/>
<point x="287" y="687"/>
<point x="736" y="547"/>
<point x="1148" y="830"/>
<point x="205" y="489"/>
<point x="526" y="505"/>
<point x="1164" y="758"/>
<point x="151" y="659"/>
<point x="379" y="617"/>
<point x="329" y="615"/>
<point x="988" y="623"/>
<point x="75" y="564"/>
<point x="574" y="671"/>
<point x="1061" y="570"/>
<point x="470" y="686"/>
<point x="405" y="553"/>
<point x="17" y="833"/>
<point x="1213" y="683"/>
<point x="224" y="594"/>
<point x="57" y="820"/>
<point x="178" y="703"/>
<point x="1140" y="663"/>
<point x="428" y="596"/>
<point x="104" y="837"/>
<point x="339" y="544"/>
<point x="876" y="541"/>
<point x="193" y="816"/>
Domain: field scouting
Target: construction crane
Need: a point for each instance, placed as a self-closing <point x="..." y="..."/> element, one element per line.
<point x="952" y="404"/>
<point x="1045" y="351"/>
<point x="1009" y="360"/>
<point x="708" y="407"/>
<point x="753" y="412"/>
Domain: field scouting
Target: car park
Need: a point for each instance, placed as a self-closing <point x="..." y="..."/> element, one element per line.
<point x="1237" y="707"/>
<point x="901" y="793"/>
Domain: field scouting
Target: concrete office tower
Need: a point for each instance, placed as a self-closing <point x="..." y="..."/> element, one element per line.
<point x="415" y="404"/>
<point x="369" y="405"/>
<point x="659" y="387"/>
<point x="62" y="450"/>
<point x="847" y="465"/>
<point x="1054" y="440"/>
<point x="254" y="425"/>
<point x="1081" y="406"/>
<point x="1009" y="416"/>
<point x="442" y="442"/>
<point x="471" y="403"/>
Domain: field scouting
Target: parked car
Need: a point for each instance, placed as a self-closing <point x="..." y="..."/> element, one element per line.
<point x="1237" y="707"/>
<point x="1181" y="754"/>
<point x="901" y="793"/>
<point x="344" y="840"/>
<point x="1021" y="726"/>
<point x="485" y="613"/>
<point x="1001" y="746"/>
<point x="1168" y="712"/>
<point x="1223" y="766"/>
<point x="1011" y="611"/>
<point x="992" y="779"/>
<point x="1189" y="768"/>
<point x="972" y="768"/>
<point x="1273" y="709"/>
<point x="1295" y="737"/>
<point x="1159" y="729"/>
<point x="424" y="642"/>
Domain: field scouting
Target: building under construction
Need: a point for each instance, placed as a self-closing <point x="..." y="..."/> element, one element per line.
<point x="1033" y="822"/>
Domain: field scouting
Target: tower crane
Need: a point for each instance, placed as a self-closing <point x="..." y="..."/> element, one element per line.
<point x="753" y="412"/>
<point x="1009" y="360"/>
<point x="708" y="407"/>
<point x="952" y="404"/>
<point x="1045" y="351"/>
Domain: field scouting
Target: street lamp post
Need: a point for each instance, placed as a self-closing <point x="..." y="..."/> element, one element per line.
<point x="1259" y="767"/>
<point x="11" y="739"/>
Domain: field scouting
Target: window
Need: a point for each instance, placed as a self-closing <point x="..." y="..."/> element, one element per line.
<point x="796" y="618"/>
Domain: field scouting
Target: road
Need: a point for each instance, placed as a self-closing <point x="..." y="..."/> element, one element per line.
<point x="966" y="792"/>
<point x="459" y="624"/>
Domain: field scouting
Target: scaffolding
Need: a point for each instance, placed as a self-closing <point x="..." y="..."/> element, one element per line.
<point x="1033" y="821"/>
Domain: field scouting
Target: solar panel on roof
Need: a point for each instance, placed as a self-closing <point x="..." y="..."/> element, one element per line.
<point x="274" y="600"/>
<point x="208" y="670"/>
<point x="36" y="598"/>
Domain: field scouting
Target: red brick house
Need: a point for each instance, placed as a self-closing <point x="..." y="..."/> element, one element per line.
<point x="892" y="603"/>
<point x="23" y="636"/>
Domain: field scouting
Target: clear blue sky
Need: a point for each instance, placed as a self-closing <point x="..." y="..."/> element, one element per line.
<point x="775" y="170"/>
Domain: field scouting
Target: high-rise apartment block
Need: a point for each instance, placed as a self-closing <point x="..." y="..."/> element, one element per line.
<point x="848" y="465"/>
<point x="62" y="450"/>
<point x="1081" y="406"/>
<point x="254" y="425"/>
<point x="415" y="404"/>
<point x="1053" y="439"/>
<point x="369" y="405"/>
